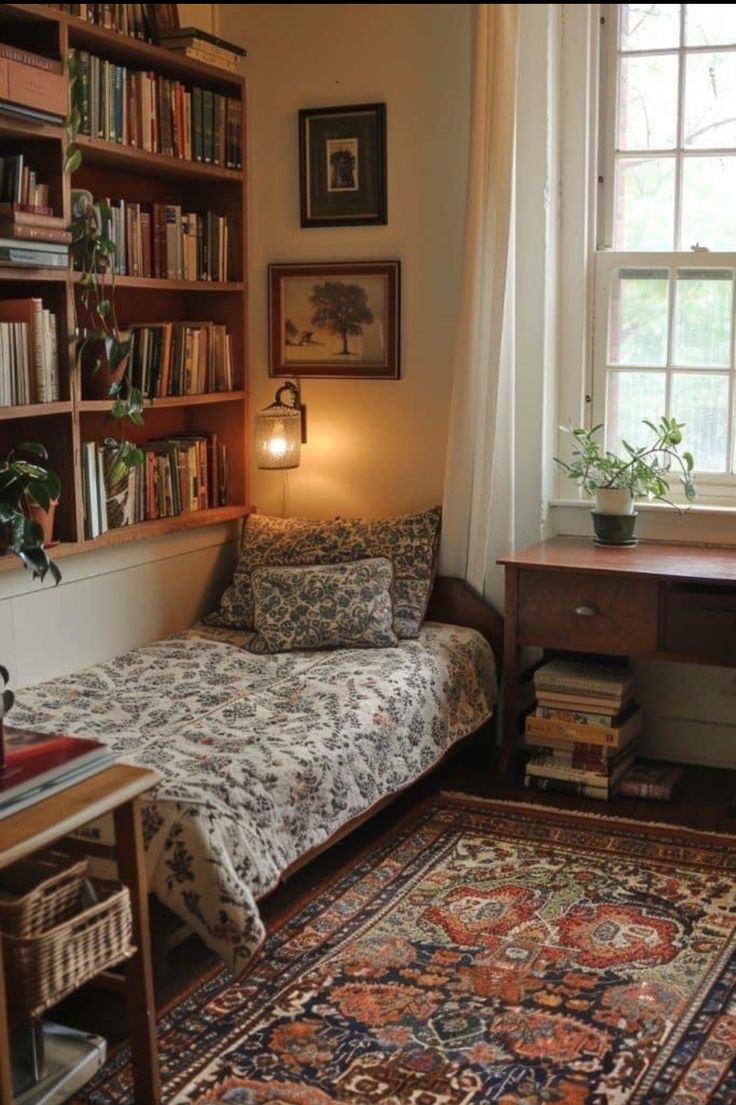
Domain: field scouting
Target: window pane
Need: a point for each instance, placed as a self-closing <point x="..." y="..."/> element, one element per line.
<point x="645" y="203"/>
<point x="649" y="26"/>
<point x="701" y="401"/>
<point x="710" y="93"/>
<point x="710" y="24"/>
<point x="703" y="318"/>
<point x="632" y="396"/>
<point x="637" y="333"/>
<point x="708" y="203"/>
<point x="647" y="103"/>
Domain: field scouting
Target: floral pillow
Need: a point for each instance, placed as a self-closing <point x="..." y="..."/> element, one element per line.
<point x="409" y="542"/>
<point x="323" y="606"/>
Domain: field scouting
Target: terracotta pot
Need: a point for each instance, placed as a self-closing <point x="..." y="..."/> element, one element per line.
<point x="45" y="519"/>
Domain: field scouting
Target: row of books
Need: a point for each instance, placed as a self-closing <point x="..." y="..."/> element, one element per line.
<point x="156" y="113"/>
<point x="135" y="20"/>
<point x="19" y="184"/>
<point x="163" y="241"/>
<point x="29" y="353"/>
<point x="181" y="358"/>
<point x="180" y="474"/>
<point x="582" y="734"/>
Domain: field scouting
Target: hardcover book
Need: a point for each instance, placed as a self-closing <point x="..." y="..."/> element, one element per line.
<point x="651" y="780"/>
<point x="37" y="764"/>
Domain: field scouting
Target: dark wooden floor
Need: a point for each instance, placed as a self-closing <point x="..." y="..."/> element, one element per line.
<point x="706" y="800"/>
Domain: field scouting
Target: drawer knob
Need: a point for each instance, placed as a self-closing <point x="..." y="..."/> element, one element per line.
<point x="586" y="611"/>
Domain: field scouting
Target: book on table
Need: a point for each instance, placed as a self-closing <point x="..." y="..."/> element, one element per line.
<point x="40" y="764"/>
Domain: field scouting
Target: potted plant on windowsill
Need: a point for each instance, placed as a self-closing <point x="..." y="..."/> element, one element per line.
<point x="24" y="484"/>
<point x="618" y="480"/>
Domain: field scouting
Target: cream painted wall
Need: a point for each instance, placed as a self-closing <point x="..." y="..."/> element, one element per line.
<point x="375" y="447"/>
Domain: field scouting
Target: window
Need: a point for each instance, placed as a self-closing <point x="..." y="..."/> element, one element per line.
<point x="666" y="262"/>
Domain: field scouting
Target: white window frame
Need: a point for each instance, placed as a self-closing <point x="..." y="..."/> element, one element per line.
<point x="714" y="489"/>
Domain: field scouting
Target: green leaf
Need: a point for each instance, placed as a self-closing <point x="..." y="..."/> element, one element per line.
<point x="34" y="447"/>
<point x="4" y="674"/>
<point x="73" y="159"/>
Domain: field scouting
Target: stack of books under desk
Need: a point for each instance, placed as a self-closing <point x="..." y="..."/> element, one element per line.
<point x="582" y="733"/>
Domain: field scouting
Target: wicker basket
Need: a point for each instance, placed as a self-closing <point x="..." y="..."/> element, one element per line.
<point x="44" y="892"/>
<point x="40" y="970"/>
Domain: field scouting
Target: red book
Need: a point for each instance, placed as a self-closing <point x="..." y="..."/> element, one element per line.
<point x="37" y="764"/>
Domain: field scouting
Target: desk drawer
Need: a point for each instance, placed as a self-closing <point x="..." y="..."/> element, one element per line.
<point x="574" y="611"/>
<point x="701" y="622"/>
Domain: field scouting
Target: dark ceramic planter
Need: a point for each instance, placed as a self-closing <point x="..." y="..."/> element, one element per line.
<point x="614" y="529"/>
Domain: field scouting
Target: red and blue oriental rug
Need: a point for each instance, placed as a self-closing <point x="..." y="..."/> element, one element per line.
<point x="485" y="952"/>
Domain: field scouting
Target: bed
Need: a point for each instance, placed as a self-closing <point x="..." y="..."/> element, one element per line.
<point x="266" y="760"/>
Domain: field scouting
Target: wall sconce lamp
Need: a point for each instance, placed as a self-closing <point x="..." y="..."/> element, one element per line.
<point x="280" y="430"/>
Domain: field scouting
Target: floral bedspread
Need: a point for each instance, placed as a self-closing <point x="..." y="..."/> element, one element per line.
<point x="264" y="757"/>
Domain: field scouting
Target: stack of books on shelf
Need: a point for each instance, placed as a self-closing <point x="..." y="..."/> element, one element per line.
<point x="33" y="87"/>
<point x="156" y="113"/>
<point x="129" y="19"/>
<point x="191" y="42"/>
<point x="582" y="734"/>
<point x="30" y="233"/>
<point x="180" y="358"/>
<point x="162" y="241"/>
<point x="39" y="764"/>
<point x="29" y="353"/>
<point x="180" y="474"/>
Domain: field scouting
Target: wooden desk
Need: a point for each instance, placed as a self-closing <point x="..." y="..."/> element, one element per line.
<point x="666" y="602"/>
<point x="115" y="790"/>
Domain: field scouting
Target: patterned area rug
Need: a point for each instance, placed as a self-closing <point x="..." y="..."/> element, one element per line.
<point x="486" y="952"/>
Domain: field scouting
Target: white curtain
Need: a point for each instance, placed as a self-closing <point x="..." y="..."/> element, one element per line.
<point x="478" y="520"/>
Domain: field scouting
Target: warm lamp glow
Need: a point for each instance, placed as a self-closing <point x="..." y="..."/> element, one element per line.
<point x="279" y="432"/>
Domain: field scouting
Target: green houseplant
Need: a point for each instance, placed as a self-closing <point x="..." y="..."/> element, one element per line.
<point x="25" y="483"/>
<point x="617" y="480"/>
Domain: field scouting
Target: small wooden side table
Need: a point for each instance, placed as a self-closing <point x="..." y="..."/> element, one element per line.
<point x="115" y="790"/>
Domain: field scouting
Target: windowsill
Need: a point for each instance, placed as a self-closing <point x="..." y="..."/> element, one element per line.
<point x="656" y="508"/>
<point x="700" y="524"/>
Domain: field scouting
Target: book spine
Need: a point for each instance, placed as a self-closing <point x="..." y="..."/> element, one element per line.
<point x="576" y="717"/>
<point x="657" y="791"/>
<point x="575" y="684"/>
<point x="34" y="233"/>
<point x="592" y="734"/>
<point x="565" y="786"/>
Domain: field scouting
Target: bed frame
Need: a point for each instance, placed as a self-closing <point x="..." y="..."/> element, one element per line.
<point x="455" y="602"/>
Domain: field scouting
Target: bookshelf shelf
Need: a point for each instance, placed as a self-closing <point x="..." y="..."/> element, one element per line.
<point x="35" y="410"/>
<point x="161" y="526"/>
<point x="115" y="155"/>
<point x="204" y="400"/>
<point x="138" y="176"/>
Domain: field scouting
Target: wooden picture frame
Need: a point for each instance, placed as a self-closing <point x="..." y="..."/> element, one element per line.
<point x="335" y="320"/>
<point x="342" y="166"/>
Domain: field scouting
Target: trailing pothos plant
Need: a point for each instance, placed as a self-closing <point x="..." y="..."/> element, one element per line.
<point x="24" y="482"/>
<point x="101" y="344"/>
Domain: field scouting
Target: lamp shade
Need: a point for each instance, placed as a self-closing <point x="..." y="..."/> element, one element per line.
<point x="278" y="434"/>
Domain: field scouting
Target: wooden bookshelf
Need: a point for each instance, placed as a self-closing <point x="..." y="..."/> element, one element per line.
<point x="117" y="171"/>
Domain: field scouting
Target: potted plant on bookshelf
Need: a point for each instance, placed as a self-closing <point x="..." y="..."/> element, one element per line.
<point x="617" y="480"/>
<point x="24" y="483"/>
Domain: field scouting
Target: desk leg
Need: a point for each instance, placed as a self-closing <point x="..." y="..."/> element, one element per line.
<point x="6" y="1087"/>
<point x="138" y="973"/>
<point x="510" y="671"/>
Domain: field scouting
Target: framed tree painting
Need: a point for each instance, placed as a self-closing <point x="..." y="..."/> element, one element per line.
<point x="335" y="320"/>
<point x="342" y="165"/>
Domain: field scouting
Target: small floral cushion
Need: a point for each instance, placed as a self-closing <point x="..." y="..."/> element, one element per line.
<point x="323" y="606"/>
<point x="409" y="542"/>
